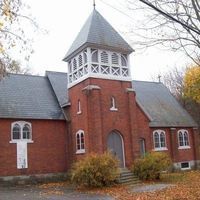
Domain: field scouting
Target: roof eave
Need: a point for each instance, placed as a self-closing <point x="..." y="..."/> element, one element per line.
<point x="32" y="118"/>
<point x="159" y="124"/>
<point x="93" y="45"/>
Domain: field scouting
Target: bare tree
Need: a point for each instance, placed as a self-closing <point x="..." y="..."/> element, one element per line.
<point x="175" y="83"/>
<point x="13" y="36"/>
<point x="174" y="24"/>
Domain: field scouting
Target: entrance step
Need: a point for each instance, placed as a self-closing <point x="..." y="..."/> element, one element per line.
<point x="127" y="177"/>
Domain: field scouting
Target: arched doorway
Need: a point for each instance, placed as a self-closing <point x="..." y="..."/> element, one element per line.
<point x="116" y="145"/>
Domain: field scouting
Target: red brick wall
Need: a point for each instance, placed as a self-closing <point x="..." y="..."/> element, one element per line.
<point x="143" y="129"/>
<point x="185" y="154"/>
<point x="47" y="154"/>
<point x="98" y="121"/>
<point x="176" y="154"/>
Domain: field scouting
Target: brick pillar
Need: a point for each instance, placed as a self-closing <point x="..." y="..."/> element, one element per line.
<point x="94" y="118"/>
<point x="133" y="122"/>
<point x="196" y="143"/>
<point x="173" y="145"/>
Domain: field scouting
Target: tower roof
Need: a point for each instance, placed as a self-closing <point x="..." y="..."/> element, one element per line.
<point x="97" y="32"/>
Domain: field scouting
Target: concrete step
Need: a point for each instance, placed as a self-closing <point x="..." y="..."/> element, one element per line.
<point x="130" y="182"/>
<point x="127" y="177"/>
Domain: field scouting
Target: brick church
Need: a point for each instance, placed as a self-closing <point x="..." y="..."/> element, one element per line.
<point x="48" y="122"/>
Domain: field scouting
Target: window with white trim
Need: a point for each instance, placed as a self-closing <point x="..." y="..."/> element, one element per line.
<point x="94" y="55"/>
<point x="16" y="132"/>
<point x="21" y="130"/>
<point x="104" y="57"/>
<point x="185" y="165"/>
<point x="113" y="104"/>
<point x="115" y="59"/>
<point x="79" y="107"/>
<point x="80" y="142"/>
<point x="74" y="65"/>
<point x="85" y="56"/>
<point x="183" y="139"/>
<point x="123" y="60"/>
<point x="70" y="66"/>
<point x="80" y="60"/>
<point x="26" y="132"/>
<point x="159" y="140"/>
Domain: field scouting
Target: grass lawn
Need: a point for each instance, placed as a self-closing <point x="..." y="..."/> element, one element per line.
<point x="186" y="185"/>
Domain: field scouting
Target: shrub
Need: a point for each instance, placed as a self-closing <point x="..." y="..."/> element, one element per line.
<point x="150" y="167"/>
<point x="95" y="170"/>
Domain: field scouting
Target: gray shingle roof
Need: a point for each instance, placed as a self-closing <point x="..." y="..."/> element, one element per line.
<point x="99" y="33"/>
<point x="58" y="82"/>
<point x="28" y="97"/>
<point x="160" y="106"/>
<point x="36" y="97"/>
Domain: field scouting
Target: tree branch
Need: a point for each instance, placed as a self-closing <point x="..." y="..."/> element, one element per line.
<point x="165" y="14"/>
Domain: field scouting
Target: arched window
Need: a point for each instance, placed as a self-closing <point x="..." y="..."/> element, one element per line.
<point x="26" y="132"/>
<point x="85" y="56"/>
<point x="80" y="60"/>
<point x="70" y="67"/>
<point x="74" y="65"/>
<point x="113" y="104"/>
<point x="94" y="55"/>
<point x="156" y="140"/>
<point x="21" y="131"/>
<point x="104" y="57"/>
<point x="159" y="140"/>
<point x="78" y="145"/>
<point x="16" y="132"/>
<point x="162" y="140"/>
<point x="183" y="139"/>
<point x="80" y="142"/>
<point x="123" y="60"/>
<point x="115" y="59"/>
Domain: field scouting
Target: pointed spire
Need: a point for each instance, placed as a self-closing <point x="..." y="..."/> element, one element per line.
<point x="97" y="32"/>
<point x="94" y="4"/>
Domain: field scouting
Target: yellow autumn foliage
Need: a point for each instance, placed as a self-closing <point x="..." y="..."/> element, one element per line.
<point x="192" y="83"/>
<point x="6" y="9"/>
<point x="95" y="170"/>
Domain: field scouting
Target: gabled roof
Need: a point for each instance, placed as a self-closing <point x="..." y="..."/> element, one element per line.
<point x="97" y="32"/>
<point x="160" y="106"/>
<point x="28" y="97"/>
<point x="58" y="81"/>
<point x="37" y="97"/>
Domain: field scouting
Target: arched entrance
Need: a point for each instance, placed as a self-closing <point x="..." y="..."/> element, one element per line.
<point x="116" y="145"/>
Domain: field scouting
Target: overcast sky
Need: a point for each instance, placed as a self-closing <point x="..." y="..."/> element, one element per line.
<point x="64" y="18"/>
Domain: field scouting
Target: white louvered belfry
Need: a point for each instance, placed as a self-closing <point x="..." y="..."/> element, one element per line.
<point x="98" y="63"/>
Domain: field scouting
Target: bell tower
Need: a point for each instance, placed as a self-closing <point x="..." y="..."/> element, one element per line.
<point x="100" y="91"/>
<point x="99" y="52"/>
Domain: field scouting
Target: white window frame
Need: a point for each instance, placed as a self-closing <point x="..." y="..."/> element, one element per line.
<point x="183" y="131"/>
<point x="186" y="168"/>
<point x="159" y="134"/>
<point x="113" y="104"/>
<point x="79" y="107"/>
<point x="21" y="125"/>
<point x="80" y="150"/>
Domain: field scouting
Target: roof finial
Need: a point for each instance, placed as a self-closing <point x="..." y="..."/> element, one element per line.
<point x="94" y="4"/>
